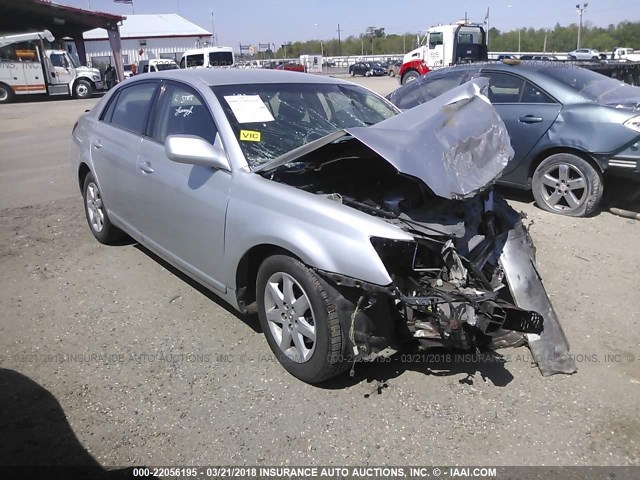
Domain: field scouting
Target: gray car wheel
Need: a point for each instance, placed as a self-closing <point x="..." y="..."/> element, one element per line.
<point x="96" y="213"/>
<point x="567" y="184"/>
<point x="299" y="318"/>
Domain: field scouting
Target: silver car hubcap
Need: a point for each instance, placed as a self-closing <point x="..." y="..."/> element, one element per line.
<point x="290" y="316"/>
<point x="3" y="94"/>
<point x="95" y="210"/>
<point x="81" y="90"/>
<point x="564" y="187"/>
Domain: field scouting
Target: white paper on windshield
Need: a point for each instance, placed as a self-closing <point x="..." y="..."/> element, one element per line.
<point x="249" y="108"/>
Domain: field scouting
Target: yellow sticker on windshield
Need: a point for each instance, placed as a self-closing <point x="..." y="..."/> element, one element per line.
<point x="250" y="136"/>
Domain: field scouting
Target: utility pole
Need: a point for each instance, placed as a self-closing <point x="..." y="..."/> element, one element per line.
<point x="339" y="43"/>
<point x="580" y="10"/>
<point x="213" y="34"/>
<point x="519" y="40"/>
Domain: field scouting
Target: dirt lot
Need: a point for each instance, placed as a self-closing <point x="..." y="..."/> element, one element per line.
<point x="108" y="355"/>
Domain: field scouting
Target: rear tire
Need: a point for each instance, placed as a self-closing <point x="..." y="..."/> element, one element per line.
<point x="352" y="72"/>
<point x="568" y="185"/>
<point x="6" y="93"/>
<point x="96" y="213"/>
<point x="298" y="315"/>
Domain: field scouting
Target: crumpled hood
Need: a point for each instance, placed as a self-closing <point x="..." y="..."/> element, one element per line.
<point x="456" y="143"/>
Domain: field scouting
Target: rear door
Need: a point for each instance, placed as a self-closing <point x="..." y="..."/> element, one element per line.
<point x="180" y="208"/>
<point x="526" y="110"/>
<point x="115" y="147"/>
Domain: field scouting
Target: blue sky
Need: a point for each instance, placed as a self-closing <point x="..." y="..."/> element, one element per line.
<point x="278" y="21"/>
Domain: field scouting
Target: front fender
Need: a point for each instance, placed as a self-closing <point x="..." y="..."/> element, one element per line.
<point x="322" y="233"/>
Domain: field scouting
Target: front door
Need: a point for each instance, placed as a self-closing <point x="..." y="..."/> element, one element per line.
<point x="526" y="111"/>
<point x="181" y="209"/>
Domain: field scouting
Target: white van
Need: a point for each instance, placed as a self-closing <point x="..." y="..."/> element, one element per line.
<point x="156" y="65"/>
<point x="208" y="57"/>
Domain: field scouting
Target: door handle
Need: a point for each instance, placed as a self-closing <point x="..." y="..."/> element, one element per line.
<point x="146" y="168"/>
<point x="530" y="119"/>
<point x="97" y="144"/>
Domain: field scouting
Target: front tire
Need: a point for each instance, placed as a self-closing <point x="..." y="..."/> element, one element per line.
<point x="352" y="72"/>
<point x="298" y="315"/>
<point x="6" y="93"/>
<point x="568" y="185"/>
<point x="410" y="76"/>
<point x="82" y="89"/>
<point x="96" y="213"/>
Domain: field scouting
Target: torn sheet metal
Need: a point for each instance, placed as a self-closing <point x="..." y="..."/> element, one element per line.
<point x="550" y="349"/>
<point x="456" y="143"/>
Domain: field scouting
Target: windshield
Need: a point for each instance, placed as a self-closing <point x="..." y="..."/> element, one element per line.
<point x="375" y="65"/>
<point x="270" y="120"/>
<point x="596" y="86"/>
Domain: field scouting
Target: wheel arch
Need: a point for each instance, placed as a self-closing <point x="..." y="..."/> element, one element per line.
<point x="247" y="271"/>
<point x="540" y="156"/>
<point x="83" y="171"/>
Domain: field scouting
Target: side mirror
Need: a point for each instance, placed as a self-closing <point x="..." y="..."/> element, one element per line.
<point x="193" y="150"/>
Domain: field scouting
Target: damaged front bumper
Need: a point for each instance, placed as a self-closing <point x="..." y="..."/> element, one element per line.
<point x="445" y="311"/>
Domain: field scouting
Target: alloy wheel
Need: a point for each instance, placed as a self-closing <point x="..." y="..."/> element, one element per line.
<point x="564" y="187"/>
<point x="95" y="209"/>
<point x="290" y="317"/>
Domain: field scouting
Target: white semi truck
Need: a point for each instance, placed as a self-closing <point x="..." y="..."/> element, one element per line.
<point x="28" y="68"/>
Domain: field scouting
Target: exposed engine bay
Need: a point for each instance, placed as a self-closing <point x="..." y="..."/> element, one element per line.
<point x="449" y="285"/>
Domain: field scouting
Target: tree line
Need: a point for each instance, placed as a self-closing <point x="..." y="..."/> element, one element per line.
<point x="374" y="41"/>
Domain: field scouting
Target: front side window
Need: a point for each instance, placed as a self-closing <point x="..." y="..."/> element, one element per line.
<point x="181" y="111"/>
<point x="270" y="120"/>
<point x="428" y="88"/>
<point x="59" y="60"/>
<point x="504" y="88"/>
<point x="131" y="108"/>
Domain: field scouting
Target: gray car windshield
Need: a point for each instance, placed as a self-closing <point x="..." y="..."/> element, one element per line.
<point x="595" y="86"/>
<point x="270" y="120"/>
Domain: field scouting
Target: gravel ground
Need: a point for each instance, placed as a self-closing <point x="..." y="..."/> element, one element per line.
<point x="109" y="355"/>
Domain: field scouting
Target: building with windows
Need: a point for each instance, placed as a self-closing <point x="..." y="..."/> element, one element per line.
<point x="144" y="37"/>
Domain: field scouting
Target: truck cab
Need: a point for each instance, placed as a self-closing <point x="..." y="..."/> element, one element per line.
<point x="27" y="67"/>
<point x="442" y="46"/>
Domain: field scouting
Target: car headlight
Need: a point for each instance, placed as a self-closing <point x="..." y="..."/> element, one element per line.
<point x="96" y="77"/>
<point x="633" y="123"/>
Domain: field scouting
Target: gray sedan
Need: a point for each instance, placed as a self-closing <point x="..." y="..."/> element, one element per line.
<point x="351" y="230"/>
<point x="571" y="128"/>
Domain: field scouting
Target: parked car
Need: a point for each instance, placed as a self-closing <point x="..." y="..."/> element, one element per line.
<point x="368" y="69"/>
<point x="571" y="128"/>
<point x="156" y="65"/>
<point x="547" y="58"/>
<point x="348" y="240"/>
<point x="289" y="66"/>
<point x="393" y="68"/>
<point x="585" y="54"/>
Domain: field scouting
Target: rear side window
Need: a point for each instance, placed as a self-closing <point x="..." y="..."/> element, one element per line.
<point x="181" y="111"/>
<point x="131" y="108"/>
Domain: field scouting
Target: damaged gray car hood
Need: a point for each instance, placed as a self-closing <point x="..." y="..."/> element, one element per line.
<point x="456" y="143"/>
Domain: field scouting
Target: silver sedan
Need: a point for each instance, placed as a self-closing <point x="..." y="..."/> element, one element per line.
<point x="351" y="230"/>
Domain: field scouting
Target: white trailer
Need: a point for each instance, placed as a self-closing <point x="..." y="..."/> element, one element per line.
<point x="27" y="68"/>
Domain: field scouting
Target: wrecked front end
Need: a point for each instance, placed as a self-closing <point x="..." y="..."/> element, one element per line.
<point x="467" y="279"/>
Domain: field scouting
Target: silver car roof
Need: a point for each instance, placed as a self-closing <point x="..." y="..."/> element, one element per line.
<point x="235" y="76"/>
